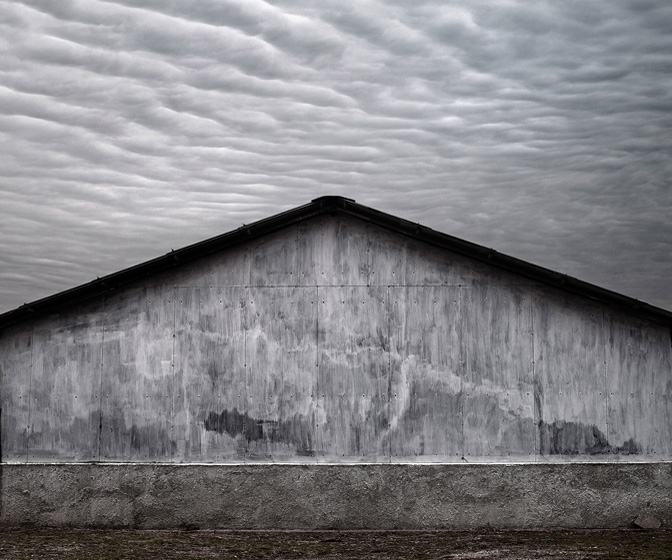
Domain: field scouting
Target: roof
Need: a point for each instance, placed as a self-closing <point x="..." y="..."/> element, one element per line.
<point x="331" y="205"/>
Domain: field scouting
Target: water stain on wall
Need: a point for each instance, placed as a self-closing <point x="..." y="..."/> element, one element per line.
<point x="139" y="441"/>
<point x="295" y="431"/>
<point x="575" y="438"/>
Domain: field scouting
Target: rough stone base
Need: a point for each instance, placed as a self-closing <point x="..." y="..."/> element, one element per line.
<point x="321" y="496"/>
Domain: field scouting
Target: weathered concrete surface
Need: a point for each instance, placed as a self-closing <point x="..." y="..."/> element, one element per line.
<point x="352" y="496"/>
<point x="335" y="340"/>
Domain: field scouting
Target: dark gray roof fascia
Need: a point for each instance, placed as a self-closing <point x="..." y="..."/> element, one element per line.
<point x="331" y="205"/>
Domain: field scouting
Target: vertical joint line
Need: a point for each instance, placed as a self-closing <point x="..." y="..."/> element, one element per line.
<point x="463" y="361"/>
<point x="100" y="384"/>
<point x="2" y="395"/>
<point x="390" y="306"/>
<point x="534" y="381"/>
<point x="606" y="384"/>
<point x="245" y="313"/>
<point x="316" y="369"/>
<point x="173" y="375"/>
<point x="30" y="389"/>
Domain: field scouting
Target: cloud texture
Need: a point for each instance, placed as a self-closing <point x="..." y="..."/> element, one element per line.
<point x="540" y="128"/>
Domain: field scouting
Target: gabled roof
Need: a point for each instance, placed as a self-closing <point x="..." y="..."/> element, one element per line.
<point x="331" y="205"/>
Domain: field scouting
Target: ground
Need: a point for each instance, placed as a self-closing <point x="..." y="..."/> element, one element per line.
<point x="71" y="544"/>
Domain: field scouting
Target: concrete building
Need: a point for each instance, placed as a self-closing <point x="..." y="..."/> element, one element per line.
<point x="336" y="367"/>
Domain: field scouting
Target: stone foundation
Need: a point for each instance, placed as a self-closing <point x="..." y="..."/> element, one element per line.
<point x="330" y="496"/>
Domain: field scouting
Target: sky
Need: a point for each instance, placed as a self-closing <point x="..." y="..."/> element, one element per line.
<point x="539" y="128"/>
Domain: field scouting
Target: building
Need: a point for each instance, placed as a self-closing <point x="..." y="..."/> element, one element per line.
<point x="335" y="366"/>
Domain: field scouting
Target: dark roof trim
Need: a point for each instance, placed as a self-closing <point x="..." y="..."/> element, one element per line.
<point x="331" y="205"/>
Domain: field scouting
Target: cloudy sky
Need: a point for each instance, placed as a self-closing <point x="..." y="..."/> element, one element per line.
<point x="540" y="128"/>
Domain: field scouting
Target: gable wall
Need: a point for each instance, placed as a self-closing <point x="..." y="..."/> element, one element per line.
<point x="330" y="341"/>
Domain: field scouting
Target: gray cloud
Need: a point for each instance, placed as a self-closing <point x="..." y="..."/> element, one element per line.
<point x="541" y="129"/>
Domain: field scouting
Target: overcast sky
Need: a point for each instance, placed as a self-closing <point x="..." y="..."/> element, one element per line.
<point x="542" y="129"/>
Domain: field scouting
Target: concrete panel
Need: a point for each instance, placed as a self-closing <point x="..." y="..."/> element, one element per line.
<point x="498" y="391"/>
<point x="273" y="259"/>
<point x="209" y="387"/>
<point x="281" y="372"/>
<point x="427" y="374"/>
<point x="137" y="385"/>
<point x="65" y="386"/>
<point x="639" y="366"/>
<point x="570" y="378"/>
<point x="397" y="260"/>
<point x="354" y="496"/>
<point x="332" y="251"/>
<point x="353" y="382"/>
<point x="16" y="352"/>
<point x="228" y="268"/>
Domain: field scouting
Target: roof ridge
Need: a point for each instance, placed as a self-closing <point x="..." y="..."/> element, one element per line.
<point x="328" y="205"/>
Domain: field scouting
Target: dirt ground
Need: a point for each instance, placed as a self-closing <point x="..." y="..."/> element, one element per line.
<point x="19" y="544"/>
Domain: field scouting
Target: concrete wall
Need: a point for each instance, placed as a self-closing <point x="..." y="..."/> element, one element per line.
<point x="355" y="496"/>
<point x="336" y="341"/>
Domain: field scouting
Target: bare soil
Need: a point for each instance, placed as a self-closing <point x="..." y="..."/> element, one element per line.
<point x="67" y="544"/>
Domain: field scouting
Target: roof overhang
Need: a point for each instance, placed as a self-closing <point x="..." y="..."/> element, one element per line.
<point x="330" y="205"/>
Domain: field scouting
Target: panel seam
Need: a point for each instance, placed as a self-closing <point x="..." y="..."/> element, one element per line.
<point x="535" y="430"/>
<point x="172" y="365"/>
<point x="389" y="373"/>
<point x="30" y="389"/>
<point x="606" y="383"/>
<point x="464" y="357"/>
<point x="316" y="369"/>
<point x="100" y="385"/>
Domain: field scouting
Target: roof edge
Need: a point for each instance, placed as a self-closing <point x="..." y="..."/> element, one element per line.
<point x="531" y="271"/>
<point x="330" y="205"/>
